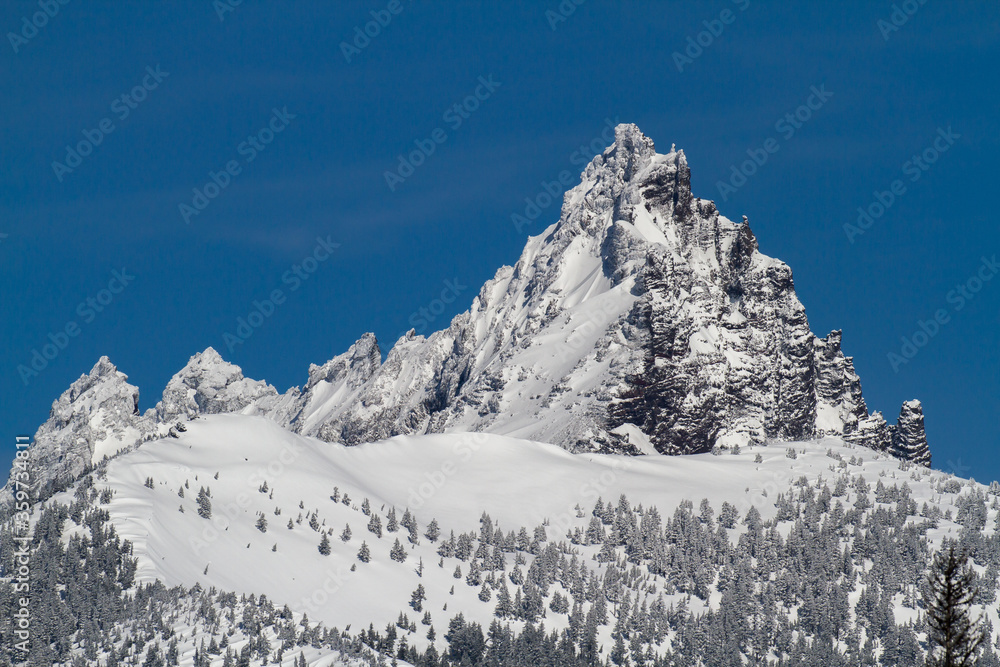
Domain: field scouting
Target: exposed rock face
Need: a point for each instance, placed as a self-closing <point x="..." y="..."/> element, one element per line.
<point x="352" y="369"/>
<point x="208" y="385"/>
<point x="330" y="389"/>
<point x="97" y="416"/>
<point x="909" y="441"/>
<point x="642" y="321"/>
<point x="838" y="388"/>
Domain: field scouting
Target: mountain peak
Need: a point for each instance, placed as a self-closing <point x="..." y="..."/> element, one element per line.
<point x="642" y="308"/>
<point x="103" y="379"/>
<point x="208" y="356"/>
<point x="97" y="416"/>
<point x="629" y="140"/>
<point x="208" y="384"/>
<point x="103" y="368"/>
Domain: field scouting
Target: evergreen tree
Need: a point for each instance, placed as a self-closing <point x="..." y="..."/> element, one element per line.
<point x="474" y="577"/>
<point x="364" y="555"/>
<point x="346" y="535"/>
<point x="391" y="524"/>
<point x="375" y="525"/>
<point x="417" y="600"/>
<point x="433" y="531"/>
<point x="951" y="591"/>
<point x="204" y="504"/>
<point x="324" y="545"/>
<point x="261" y="524"/>
<point x="153" y="658"/>
<point x="398" y="552"/>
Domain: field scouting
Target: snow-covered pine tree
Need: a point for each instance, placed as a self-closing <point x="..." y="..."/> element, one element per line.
<point x="204" y="504"/>
<point x="433" y="531"/>
<point x="375" y="525"/>
<point x="417" y="600"/>
<point x="391" y="524"/>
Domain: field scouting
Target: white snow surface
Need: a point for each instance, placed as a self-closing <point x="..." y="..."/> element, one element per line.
<point x="451" y="477"/>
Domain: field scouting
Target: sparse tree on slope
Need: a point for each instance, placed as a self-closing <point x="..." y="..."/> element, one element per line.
<point x="375" y="525"/>
<point x="433" y="531"/>
<point x="324" y="545"/>
<point x="204" y="504"/>
<point x="398" y="553"/>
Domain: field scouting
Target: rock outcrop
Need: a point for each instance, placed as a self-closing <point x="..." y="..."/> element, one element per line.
<point x="208" y="385"/>
<point x="909" y="441"/>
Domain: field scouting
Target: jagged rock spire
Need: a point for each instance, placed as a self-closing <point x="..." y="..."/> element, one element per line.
<point x="909" y="440"/>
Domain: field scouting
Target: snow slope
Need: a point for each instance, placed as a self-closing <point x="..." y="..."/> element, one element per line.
<point x="452" y="478"/>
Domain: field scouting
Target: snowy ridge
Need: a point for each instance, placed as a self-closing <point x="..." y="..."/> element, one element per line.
<point x="643" y="320"/>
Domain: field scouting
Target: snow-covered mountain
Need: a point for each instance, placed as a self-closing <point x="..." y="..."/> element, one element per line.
<point x="507" y="473"/>
<point x="641" y="321"/>
<point x="97" y="417"/>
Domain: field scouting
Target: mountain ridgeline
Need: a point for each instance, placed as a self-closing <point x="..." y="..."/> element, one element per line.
<point x="643" y="321"/>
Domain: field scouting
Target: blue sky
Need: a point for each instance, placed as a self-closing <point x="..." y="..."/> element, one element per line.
<point x="327" y="130"/>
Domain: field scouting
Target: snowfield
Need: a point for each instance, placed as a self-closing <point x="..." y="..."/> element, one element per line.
<point x="452" y="478"/>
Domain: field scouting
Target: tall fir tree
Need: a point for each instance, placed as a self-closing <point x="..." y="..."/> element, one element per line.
<point x="951" y="627"/>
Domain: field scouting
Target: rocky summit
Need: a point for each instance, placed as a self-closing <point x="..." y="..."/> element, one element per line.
<point x="643" y="321"/>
